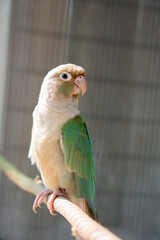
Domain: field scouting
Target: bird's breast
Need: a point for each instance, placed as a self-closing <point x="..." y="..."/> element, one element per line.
<point x="51" y="164"/>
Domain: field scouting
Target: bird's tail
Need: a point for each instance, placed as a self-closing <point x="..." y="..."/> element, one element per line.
<point x="89" y="208"/>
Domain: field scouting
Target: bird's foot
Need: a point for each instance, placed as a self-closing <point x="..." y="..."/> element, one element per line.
<point x="61" y="192"/>
<point x="44" y="194"/>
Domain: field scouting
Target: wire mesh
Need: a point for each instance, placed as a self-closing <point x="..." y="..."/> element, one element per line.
<point x="117" y="42"/>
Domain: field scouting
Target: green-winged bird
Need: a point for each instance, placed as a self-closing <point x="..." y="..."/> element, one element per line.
<point x="60" y="143"/>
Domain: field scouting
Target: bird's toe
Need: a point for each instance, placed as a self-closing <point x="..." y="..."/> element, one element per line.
<point x="40" y="198"/>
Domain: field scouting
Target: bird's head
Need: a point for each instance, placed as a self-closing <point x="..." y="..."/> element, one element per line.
<point x="64" y="82"/>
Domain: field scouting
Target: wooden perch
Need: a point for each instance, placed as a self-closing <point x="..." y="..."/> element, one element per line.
<point x="83" y="226"/>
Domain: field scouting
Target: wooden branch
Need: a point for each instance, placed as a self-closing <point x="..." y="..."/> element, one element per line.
<point x="83" y="226"/>
<point x="19" y="178"/>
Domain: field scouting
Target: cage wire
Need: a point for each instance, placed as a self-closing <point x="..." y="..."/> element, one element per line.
<point x="117" y="42"/>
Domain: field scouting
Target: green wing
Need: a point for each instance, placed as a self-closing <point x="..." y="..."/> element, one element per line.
<point x="79" y="159"/>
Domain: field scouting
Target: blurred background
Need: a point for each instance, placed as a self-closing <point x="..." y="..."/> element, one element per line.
<point x="118" y="43"/>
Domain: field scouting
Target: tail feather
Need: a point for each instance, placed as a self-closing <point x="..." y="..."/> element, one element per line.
<point x="92" y="209"/>
<point x="88" y="207"/>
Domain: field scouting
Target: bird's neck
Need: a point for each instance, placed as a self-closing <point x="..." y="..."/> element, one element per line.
<point x="58" y="109"/>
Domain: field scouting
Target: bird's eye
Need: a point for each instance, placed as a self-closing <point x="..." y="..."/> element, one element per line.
<point x="65" y="76"/>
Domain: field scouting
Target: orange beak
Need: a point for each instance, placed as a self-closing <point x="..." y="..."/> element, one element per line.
<point x="80" y="85"/>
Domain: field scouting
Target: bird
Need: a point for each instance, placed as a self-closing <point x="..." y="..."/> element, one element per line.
<point x="60" y="143"/>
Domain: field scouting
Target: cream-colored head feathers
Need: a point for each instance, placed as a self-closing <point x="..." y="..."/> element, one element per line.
<point x="71" y="68"/>
<point x="55" y="88"/>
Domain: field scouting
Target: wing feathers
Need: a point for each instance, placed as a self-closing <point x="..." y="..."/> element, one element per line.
<point x="79" y="159"/>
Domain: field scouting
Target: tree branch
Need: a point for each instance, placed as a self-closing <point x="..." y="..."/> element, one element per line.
<point x="82" y="225"/>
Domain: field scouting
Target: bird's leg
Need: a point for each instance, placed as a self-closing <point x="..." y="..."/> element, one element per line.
<point x="60" y="192"/>
<point x="44" y="194"/>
